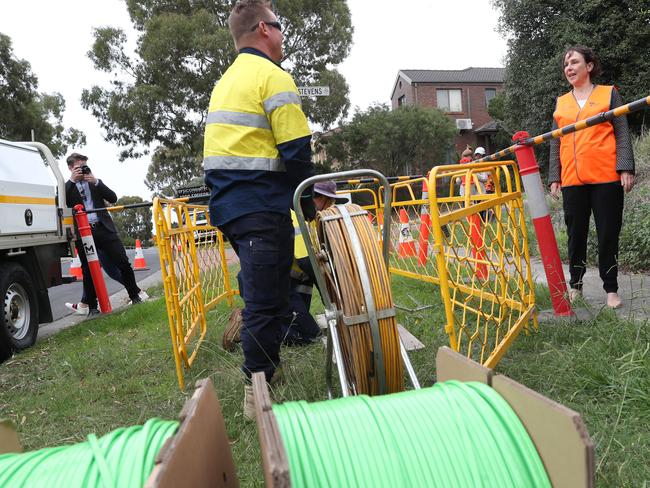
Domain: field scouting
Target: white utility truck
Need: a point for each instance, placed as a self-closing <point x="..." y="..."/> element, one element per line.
<point x="36" y="229"/>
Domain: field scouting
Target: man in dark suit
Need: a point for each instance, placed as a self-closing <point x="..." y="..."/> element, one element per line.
<point x="84" y="188"/>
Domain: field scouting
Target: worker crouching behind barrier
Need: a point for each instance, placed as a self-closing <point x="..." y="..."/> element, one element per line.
<point x="359" y="284"/>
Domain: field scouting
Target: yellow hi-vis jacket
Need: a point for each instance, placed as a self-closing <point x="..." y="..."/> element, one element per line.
<point x="299" y="251"/>
<point x="254" y="107"/>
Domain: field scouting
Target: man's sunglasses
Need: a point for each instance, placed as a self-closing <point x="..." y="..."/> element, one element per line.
<point x="272" y="24"/>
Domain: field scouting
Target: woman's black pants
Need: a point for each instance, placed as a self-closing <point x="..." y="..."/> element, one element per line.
<point x="605" y="200"/>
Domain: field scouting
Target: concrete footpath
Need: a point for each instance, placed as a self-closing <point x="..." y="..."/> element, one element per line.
<point x="634" y="290"/>
<point x="119" y="300"/>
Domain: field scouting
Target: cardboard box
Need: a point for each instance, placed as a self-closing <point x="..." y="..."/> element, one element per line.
<point x="198" y="455"/>
<point x="559" y="434"/>
<point x="9" y="441"/>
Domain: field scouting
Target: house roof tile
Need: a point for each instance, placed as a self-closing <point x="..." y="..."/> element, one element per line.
<point x="467" y="75"/>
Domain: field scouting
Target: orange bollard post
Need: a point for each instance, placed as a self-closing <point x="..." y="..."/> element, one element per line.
<point x="406" y="246"/>
<point x="91" y="256"/>
<point x="425" y="226"/>
<point x="543" y="226"/>
<point x="477" y="245"/>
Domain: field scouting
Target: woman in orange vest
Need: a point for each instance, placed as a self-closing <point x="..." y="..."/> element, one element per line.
<point x="592" y="168"/>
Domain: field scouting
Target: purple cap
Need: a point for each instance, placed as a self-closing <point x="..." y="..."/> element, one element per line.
<point x="328" y="189"/>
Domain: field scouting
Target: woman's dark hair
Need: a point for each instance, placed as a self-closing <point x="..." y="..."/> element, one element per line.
<point x="588" y="54"/>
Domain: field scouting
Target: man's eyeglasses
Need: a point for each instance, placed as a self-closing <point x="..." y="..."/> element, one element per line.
<point x="275" y="24"/>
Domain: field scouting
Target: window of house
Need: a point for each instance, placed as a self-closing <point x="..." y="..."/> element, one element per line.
<point x="401" y="100"/>
<point x="490" y="93"/>
<point x="450" y="100"/>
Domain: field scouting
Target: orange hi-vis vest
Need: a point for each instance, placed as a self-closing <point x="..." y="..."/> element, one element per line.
<point x="587" y="156"/>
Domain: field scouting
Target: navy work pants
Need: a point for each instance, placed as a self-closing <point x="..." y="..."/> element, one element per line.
<point x="303" y="329"/>
<point x="263" y="241"/>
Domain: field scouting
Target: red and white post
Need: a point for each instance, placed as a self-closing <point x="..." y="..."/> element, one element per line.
<point x="532" y="181"/>
<point x="91" y="256"/>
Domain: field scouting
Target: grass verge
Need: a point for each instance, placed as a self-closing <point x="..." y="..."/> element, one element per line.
<point x="118" y="370"/>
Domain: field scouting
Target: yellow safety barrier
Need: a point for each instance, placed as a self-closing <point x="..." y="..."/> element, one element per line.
<point x="369" y="193"/>
<point x="474" y="247"/>
<point x="194" y="272"/>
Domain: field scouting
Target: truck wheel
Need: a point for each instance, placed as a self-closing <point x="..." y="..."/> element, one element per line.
<point x="18" y="307"/>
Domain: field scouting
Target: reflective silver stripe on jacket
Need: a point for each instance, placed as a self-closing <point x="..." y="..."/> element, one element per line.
<point x="239" y="118"/>
<point x="297" y="231"/>
<point x="280" y="99"/>
<point x="244" y="163"/>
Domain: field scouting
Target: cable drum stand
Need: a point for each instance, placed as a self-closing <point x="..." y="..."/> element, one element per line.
<point x="353" y="280"/>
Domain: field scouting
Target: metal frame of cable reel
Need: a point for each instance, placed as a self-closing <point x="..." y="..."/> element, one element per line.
<point x="321" y="260"/>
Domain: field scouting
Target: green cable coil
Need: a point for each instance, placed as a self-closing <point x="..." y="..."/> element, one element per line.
<point x="123" y="458"/>
<point x="450" y="435"/>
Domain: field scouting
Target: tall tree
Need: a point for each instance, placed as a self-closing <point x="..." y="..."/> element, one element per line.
<point x="538" y="31"/>
<point x="133" y="223"/>
<point x="159" y="95"/>
<point x="23" y="108"/>
<point x="497" y="110"/>
<point x="408" y="140"/>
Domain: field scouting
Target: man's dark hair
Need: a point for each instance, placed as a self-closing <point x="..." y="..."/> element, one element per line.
<point x="74" y="157"/>
<point x="588" y="54"/>
<point x="245" y="14"/>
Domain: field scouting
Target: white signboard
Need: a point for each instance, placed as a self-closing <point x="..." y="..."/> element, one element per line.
<point x="314" y="91"/>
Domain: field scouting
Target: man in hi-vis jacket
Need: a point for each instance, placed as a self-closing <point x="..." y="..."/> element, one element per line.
<point x="257" y="150"/>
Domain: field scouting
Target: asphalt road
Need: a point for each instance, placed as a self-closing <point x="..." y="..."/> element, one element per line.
<point x="71" y="292"/>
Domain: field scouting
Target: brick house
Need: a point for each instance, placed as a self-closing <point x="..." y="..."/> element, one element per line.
<point x="462" y="94"/>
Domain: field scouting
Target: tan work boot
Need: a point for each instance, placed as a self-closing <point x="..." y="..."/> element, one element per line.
<point x="278" y="376"/>
<point x="249" y="402"/>
<point x="232" y="334"/>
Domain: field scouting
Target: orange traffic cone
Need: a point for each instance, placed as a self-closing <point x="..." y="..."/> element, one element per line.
<point x="478" y="251"/>
<point x="139" y="264"/>
<point x="406" y="243"/>
<point x="75" y="267"/>
<point x="425" y="225"/>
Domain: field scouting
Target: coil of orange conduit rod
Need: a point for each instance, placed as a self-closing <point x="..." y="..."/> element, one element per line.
<point x="358" y="304"/>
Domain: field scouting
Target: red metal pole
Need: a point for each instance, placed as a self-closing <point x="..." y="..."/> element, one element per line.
<point x="532" y="181"/>
<point x="91" y="256"/>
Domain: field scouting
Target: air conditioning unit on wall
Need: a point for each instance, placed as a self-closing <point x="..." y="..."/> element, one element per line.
<point x="464" y="124"/>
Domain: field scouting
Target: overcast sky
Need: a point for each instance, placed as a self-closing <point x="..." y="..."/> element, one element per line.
<point x="389" y="35"/>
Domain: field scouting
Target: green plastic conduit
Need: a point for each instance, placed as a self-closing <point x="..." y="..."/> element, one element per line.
<point x="123" y="458"/>
<point x="450" y="435"/>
